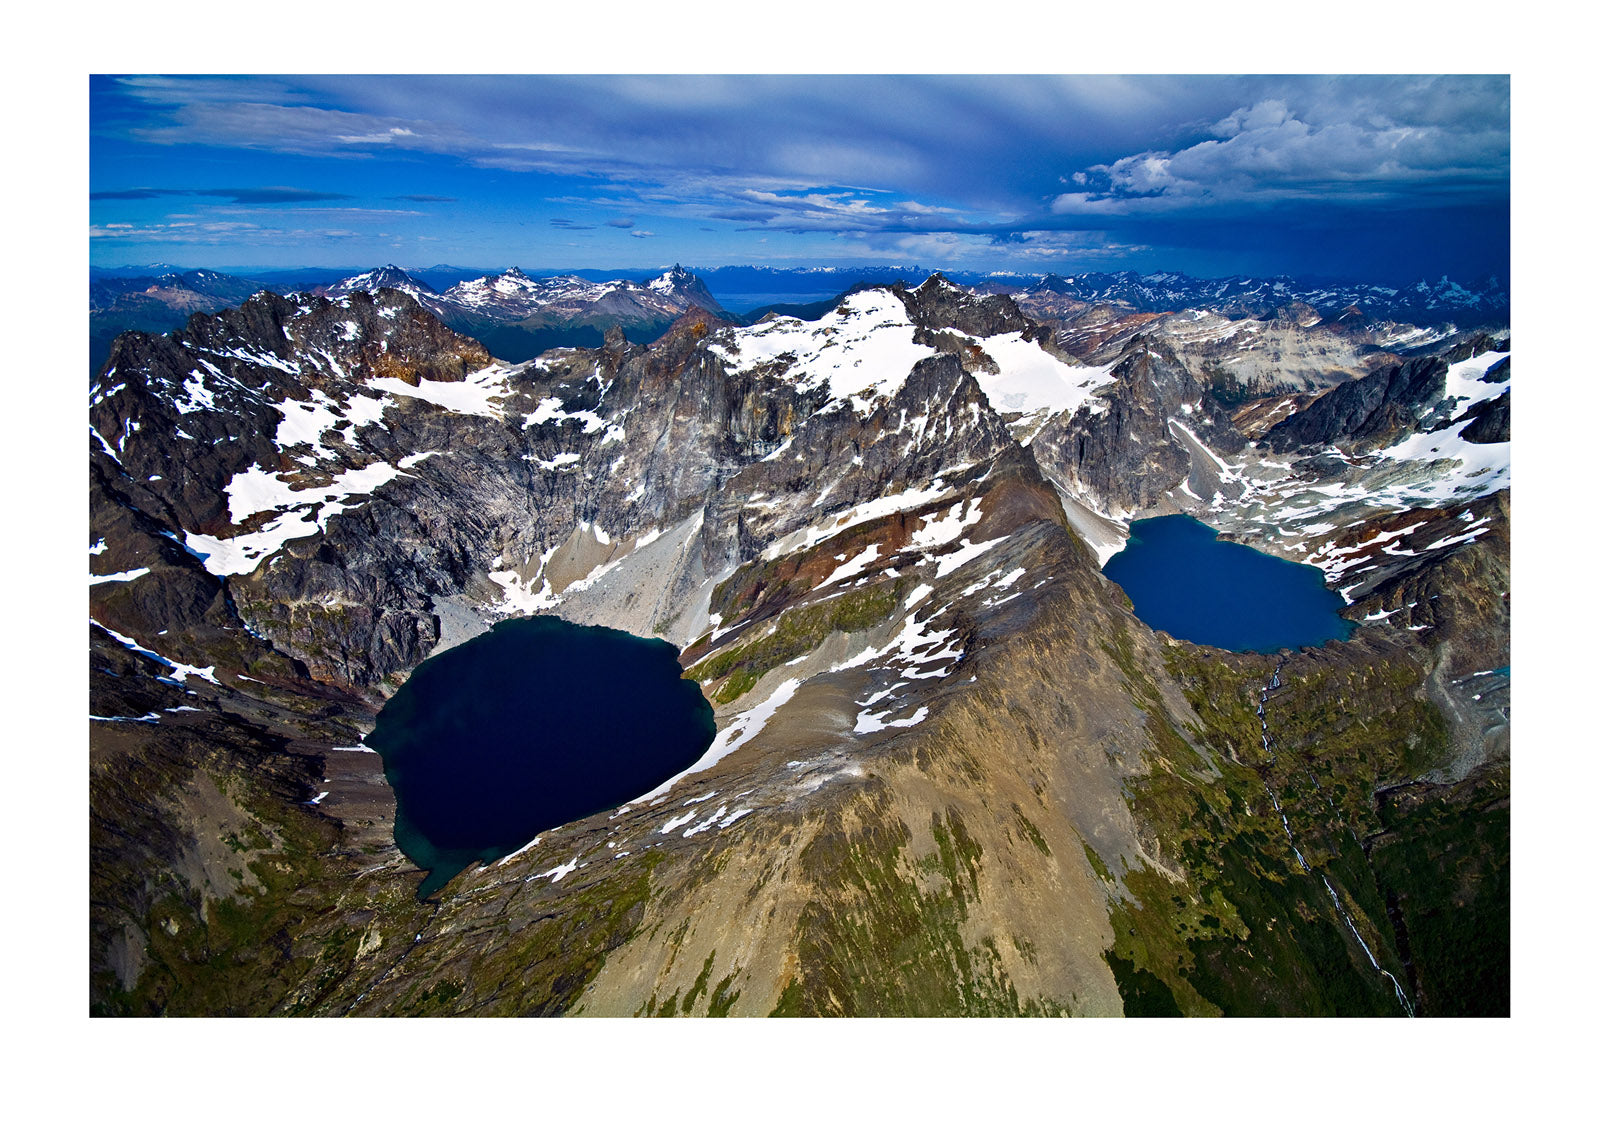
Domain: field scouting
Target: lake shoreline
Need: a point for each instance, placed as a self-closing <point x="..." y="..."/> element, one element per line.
<point x="1187" y="580"/>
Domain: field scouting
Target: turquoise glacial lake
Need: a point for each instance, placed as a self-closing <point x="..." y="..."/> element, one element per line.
<point x="536" y="723"/>
<point x="1186" y="582"/>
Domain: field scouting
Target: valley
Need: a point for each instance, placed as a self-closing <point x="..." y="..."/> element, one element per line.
<point x="953" y="772"/>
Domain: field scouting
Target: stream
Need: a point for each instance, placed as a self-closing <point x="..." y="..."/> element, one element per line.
<point x="1276" y="684"/>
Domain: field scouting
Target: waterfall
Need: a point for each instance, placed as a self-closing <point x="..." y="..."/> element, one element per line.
<point x="1338" y="905"/>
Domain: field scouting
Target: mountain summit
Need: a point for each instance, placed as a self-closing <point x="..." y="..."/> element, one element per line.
<point x="372" y="281"/>
<point x="954" y="771"/>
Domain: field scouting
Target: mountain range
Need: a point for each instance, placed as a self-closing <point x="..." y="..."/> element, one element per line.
<point x="519" y="316"/>
<point x="1426" y="302"/>
<point x="954" y="773"/>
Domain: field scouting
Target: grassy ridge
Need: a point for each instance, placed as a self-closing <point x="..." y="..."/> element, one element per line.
<point x="793" y="634"/>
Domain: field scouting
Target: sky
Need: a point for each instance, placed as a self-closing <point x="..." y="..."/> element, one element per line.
<point x="1382" y="178"/>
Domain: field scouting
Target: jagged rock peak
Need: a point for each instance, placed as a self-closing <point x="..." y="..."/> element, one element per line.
<point x="697" y="322"/>
<point x="1297" y="314"/>
<point x="940" y="304"/>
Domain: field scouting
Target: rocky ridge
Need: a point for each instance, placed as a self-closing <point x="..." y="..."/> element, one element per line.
<point x="942" y="734"/>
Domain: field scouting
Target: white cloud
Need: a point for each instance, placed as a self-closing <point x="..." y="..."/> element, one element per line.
<point x="215" y="233"/>
<point x="1268" y="152"/>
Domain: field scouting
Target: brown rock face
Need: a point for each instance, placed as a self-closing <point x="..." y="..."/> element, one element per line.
<point x="954" y="773"/>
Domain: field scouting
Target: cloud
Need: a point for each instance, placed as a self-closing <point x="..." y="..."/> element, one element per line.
<point x="345" y="213"/>
<point x="952" y="161"/>
<point x="271" y="194"/>
<point x="766" y="149"/>
<point x="978" y="249"/>
<point x="641" y="234"/>
<point x="426" y="198"/>
<point x="216" y="120"/>
<point x="381" y="137"/>
<point x="749" y="215"/>
<point x="216" y="233"/>
<point x="1269" y="153"/>
<point x="843" y="210"/>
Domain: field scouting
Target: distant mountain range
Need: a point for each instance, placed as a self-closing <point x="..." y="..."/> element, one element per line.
<point x="518" y="315"/>
<point x="514" y="297"/>
<point x="1423" y="302"/>
<point x="955" y="771"/>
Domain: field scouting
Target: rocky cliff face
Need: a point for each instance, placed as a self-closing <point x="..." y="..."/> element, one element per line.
<point x="954" y="773"/>
<point x="1383" y="407"/>
<point x="1122" y="453"/>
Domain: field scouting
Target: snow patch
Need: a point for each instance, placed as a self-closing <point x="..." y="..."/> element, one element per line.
<point x="1032" y="381"/>
<point x="257" y="491"/>
<point x="180" y="672"/>
<point x="969" y="550"/>
<point x="881" y="507"/>
<point x="128" y="575"/>
<point x="745" y="726"/>
<point x="854" y="566"/>
<point x="868" y="723"/>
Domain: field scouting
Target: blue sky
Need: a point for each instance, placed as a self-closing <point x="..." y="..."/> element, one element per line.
<point x="1370" y="177"/>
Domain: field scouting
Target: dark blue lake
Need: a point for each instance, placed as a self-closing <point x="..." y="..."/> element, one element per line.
<point x="1186" y="582"/>
<point x="533" y="724"/>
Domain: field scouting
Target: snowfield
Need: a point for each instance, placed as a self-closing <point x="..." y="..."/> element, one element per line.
<point x="255" y="491"/>
<point x="473" y="396"/>
<point x="862" y="350"/>
<point x="1032" y="381"/>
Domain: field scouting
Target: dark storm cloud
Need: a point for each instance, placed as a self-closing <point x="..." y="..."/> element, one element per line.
<point x="748" y="215"/>
<point x="877" y="158"/>
<point x="1273" y="152"/>
<point x="997" y="143"/>
<point x="621" y="222"/>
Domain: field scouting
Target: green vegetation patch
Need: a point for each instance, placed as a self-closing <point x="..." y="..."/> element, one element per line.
<point x="1030" y="830"/>
<point x="886" y="938"/>
<point x="540" y="968"/>
<point x="239" y="956"/>
<point x="1444" y="861"/>
<point x="794" y="633"/>
<point x="699" y="986"/>
<point x="1143" y="994"/>
<point x="721" y="999"/>
<point x="1248" y="931"/>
